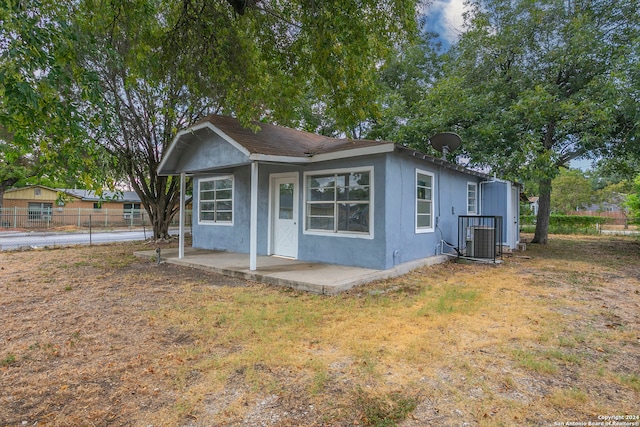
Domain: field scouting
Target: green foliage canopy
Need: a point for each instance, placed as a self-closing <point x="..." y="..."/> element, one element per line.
<point x="571" y="190"/>
<point x="43" y="99"/>
<point x="532" y="85"/>
<point x="269" y="60"/>
<point x="163" y="64"/>
<point x="633" y="200"/>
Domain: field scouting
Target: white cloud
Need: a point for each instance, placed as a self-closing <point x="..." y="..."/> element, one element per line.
<point x="445" y="18"/>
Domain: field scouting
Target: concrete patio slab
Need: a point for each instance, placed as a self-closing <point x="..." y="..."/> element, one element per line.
<point x="305" y="276"/>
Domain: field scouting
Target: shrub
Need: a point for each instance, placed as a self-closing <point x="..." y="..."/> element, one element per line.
<point x="566" y="224"/>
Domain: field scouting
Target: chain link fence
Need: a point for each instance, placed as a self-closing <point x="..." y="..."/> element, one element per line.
<point x="24" y="227"/>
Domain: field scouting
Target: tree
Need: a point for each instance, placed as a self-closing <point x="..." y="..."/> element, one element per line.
<point x="162" y="64"/>
<point x="405" y="79"/>
<point x="43" y="99"/>
<point x="633" y="200"/>
<point x="282" y="52"/>
<point x="532" y="85"/>
<point x="572" y="190"/>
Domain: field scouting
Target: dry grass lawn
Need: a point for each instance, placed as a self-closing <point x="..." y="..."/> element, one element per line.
<point x="92" y="336"/>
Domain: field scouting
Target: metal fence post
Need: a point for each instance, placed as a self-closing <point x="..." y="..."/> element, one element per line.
<point x="90" y="231"/>
<point x="15" y="217"/>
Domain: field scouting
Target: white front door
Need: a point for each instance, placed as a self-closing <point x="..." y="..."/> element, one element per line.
<point x="284" y="205"/>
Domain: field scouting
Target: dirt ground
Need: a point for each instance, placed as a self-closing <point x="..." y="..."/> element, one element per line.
<point x="92" y="336"/>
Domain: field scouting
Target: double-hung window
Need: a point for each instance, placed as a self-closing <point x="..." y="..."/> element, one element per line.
<point x="472" y="198"/>
<point x="339" y="202"/>
<point x="215" y="205"/>
<point x="424" y="201"/>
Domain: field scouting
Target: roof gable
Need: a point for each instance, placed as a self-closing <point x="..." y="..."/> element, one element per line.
<point x="32" y="192"/>
<point x="269" y="143"/>
<point x="193" y="149"/>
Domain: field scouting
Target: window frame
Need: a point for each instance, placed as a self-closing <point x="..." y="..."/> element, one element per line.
<point x="431" y="227"/>
<point x="133" y="211"/>
<point x="39" y="211"/>
<point x="215" y="222"/>
<point x="339" y="233"/>
<point x="475" y="200"/>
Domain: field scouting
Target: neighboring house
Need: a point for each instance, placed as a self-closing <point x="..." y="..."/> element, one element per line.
<point x="615" y="204"/>
<point x="613" y="209"/>
<point x="290" y="193"/>
<point x="41" y="201"/>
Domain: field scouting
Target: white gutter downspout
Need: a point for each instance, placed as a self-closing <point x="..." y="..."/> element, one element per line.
<point x="253" y="221"/>
<point x="183" y="189"/>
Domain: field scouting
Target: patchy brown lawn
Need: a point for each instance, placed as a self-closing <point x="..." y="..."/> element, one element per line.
<point x="94" y="336"/>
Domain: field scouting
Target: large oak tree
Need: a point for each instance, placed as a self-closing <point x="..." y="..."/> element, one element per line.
<point x="534" y="84"/>
<point x="161" y="64"/>
<point x="43" y="100"/>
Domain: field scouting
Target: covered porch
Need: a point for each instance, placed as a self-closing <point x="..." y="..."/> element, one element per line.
<point x="305" y="276"/>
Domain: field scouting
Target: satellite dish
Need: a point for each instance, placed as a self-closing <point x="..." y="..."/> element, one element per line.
<point x="445" y="142"/>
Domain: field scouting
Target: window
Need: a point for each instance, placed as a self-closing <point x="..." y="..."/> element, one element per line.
<point x="131" y="210"/>
<point x="97" y="205"/>
<point x="216" y="200"/>
<point x="38" y="211"/>
<point x="37" y="192"/>
<point x="424" y="201"/>
<point x="338" y="202"/>
<point x="472" y="198"/>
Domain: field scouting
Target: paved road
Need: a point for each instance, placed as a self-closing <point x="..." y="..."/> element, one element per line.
<point x="11" y="240"/>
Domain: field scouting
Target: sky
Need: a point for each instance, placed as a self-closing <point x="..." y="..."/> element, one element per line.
<point x="444" y="17"/>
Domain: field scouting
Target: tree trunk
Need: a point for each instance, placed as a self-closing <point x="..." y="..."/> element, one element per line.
<point x="544" y="211"/>
<point x="160" y="198"/>
<point x="160" y="222"/>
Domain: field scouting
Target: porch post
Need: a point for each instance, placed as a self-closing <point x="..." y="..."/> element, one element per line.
<point x="183" y="189"/>
<point x="253" y="222"/>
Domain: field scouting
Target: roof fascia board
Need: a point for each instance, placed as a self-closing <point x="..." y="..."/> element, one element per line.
<point x="206" y="170"/>
<point x="227" y="138"/>
<point x="334" y="155"/>
<point x="354" y="152"/>
<point x="278" y="159"/>
<point x="427" y="158"/>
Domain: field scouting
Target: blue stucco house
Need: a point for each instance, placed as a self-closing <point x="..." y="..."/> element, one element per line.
<point x="284" y="192"/>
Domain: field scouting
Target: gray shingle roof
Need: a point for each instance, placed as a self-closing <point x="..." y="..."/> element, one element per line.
<point x="281" y="141"/>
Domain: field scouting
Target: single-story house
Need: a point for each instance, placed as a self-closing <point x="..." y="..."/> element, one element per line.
<point x="289" y="193"/>
<point x="43" y="199"/>
<point x="36" y="204"/>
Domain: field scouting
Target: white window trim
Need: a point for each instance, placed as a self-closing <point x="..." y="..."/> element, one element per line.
<point x="233" y="204"/>
<point x="348" y="234"/>
<point x="474" y="184"/>
<point x="415" y="198"/>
